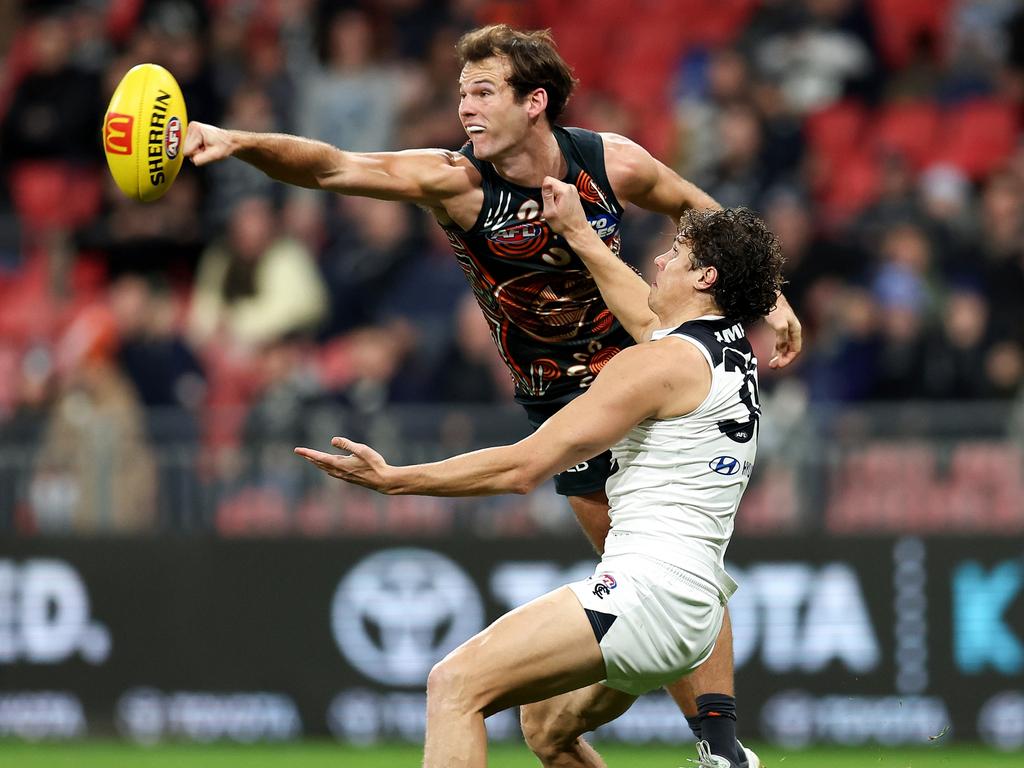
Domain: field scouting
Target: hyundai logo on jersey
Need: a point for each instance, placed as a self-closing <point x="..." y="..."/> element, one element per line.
<point x="725" y="465"/>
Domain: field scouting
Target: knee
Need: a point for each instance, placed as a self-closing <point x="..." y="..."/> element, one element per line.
<point x="548" y="730"/>
<point x="450" y="686"/>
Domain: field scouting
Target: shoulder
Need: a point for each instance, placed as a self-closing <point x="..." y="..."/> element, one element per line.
<point x="631" y="169"/>
<point x="657" y="363"/>
<point x="446" y="172"/>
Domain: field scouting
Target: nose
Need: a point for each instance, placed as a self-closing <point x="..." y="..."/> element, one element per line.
<point x="659" y="261"/>
<point x="465" y="108"/>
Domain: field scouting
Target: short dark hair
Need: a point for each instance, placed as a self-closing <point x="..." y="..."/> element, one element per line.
<point x="746" y="253"/>
<point x="533" y="58"/>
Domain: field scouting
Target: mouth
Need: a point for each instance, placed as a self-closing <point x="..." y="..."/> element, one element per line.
<point x="474" y="130"/>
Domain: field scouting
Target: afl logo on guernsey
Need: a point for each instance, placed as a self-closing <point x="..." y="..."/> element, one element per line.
<point x="725" y="465"/>
<point x="519" y="241"/>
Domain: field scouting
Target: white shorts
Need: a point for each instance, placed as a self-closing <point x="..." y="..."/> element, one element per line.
<point x="654" y="622"/>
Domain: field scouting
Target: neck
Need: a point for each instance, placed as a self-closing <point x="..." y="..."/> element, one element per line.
<point x="699" y="306"/>
<point x="532" y="159"/>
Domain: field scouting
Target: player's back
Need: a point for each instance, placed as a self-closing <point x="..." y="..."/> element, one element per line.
<point x="678" y="481"/>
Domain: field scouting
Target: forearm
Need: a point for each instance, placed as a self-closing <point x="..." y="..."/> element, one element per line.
<point x="291" y="159"/>
<point x="623" y="290"/>
<point x="487" y="472"/>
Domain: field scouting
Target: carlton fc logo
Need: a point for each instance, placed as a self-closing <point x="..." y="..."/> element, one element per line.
<point x="605" y="584"/>
<point x="725" y="465"/>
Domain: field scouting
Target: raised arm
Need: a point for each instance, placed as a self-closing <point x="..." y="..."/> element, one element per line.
<point x="427" y="176"/>
<point x="622" y="289"/>
<point x="637" y="177"/>
<point x="634" y="386"/>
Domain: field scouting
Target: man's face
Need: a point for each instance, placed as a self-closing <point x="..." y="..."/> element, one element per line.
<point x="490" y="114"/>
<point x="675" y="278"/>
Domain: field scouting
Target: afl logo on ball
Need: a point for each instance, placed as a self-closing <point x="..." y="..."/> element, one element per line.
<point x="172" y="138"/>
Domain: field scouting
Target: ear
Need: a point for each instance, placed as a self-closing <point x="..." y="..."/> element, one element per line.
<point x="708" y="278"/>
<point x="536" y="102"/>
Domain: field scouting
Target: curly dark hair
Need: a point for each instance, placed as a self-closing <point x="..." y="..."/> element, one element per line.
<point x="533" y="58"/>
<point x="746" y="253"/>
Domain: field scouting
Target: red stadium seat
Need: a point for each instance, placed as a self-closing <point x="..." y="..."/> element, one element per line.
<point x="900" y="24"/>
<point x="836" y="129"/>
<point x="832" y="133"/>
<point x="979" y="136"/>
<point x="53" y="194"/>
<point x="910" y="129"/>
<point x="853" y="183"/>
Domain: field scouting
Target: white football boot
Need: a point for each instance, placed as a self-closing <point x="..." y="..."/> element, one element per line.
<point x="707" y="760"/>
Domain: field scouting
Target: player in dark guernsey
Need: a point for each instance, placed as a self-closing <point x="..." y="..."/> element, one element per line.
<point x="546" y="314"/>
<point x="547" y="317"/>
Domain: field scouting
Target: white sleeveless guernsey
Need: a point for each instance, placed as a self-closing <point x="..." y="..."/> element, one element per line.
<point x="677" y="483"/>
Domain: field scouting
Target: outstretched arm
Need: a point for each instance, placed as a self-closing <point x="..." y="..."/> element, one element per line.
<point x="426" y="177"/>
<point x="622" y="289"/>
<point x="632" y="387"/>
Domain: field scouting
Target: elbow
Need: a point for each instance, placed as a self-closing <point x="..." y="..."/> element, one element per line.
<point x="524" y="481"/>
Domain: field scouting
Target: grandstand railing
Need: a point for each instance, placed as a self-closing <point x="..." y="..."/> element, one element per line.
<point x="909" y="468"/>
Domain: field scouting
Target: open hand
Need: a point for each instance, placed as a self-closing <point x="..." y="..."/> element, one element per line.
<point x="362" y="466"/>
<point x="206" y="143"/>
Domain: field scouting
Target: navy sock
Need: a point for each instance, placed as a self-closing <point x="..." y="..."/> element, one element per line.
<point x="717" y="715"/>
<point x="694" y="723"/>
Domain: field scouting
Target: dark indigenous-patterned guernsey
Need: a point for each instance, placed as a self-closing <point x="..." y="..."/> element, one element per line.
<point x="545" y="312"/>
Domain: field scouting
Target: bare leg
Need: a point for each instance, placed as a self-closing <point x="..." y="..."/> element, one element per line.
<point x="713" y="676"/>
<point x="542" y="649"/>
<point x="553" y="727"/>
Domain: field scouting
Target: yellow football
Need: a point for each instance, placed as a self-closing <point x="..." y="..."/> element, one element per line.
<point x="144" y="132"/>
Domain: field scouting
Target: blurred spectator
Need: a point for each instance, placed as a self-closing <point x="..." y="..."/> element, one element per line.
<point x="820" y="55"/>
<point x="368" y="243"/>
<point x="954" y="360"/>
<point x="171" y="384"/>
<point x="430" y="119"/>
<point x="903" y="300"/>
<point x="253" y="287"/>
<point x="96" y="471"/>
<point x="54" y="109"/>
<point x="1002" y="253"/>
<point x="249" y="109"/>
<point x="810" y="257"/>
<point x="471" y="370"/>
<point x="353" y="101"/>
<point x="360" y="368"/>
<point x="163" y="236"/>
<point x="276" y="421"/>
<point x="21" y="432"/>
<point x="739" y="176"/>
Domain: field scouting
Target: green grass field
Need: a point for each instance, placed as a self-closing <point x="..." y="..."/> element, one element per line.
<point x="110" y="755"/>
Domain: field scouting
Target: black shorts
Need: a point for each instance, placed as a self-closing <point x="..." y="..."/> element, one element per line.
<point x="586" y="477"/>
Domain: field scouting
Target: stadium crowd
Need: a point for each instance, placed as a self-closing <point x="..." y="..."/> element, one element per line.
<point x="882" y="141"/>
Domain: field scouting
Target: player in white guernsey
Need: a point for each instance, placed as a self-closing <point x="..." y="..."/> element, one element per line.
<point x="680" y="409"/>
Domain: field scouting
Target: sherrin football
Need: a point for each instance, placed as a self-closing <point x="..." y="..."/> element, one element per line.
<point x="144" y="131"/>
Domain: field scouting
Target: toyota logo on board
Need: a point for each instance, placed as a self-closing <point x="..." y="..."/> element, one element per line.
<point x="400" y="611"/>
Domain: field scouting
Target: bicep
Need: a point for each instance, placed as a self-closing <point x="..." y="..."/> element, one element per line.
<point x="640" y="178"/>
